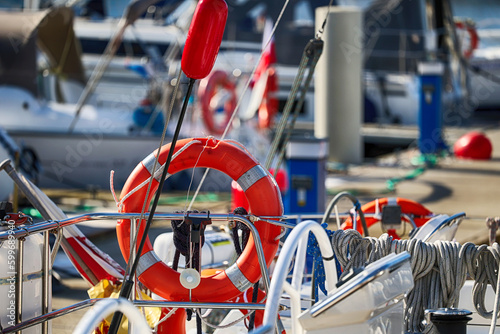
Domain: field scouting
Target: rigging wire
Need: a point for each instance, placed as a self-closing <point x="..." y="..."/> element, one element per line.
<point x="99" y="70"/>
<point x="318" y="36"/>
<point x="150" y="183"/>
<point x="311" y="55"/>
<point x="131" y="268"/>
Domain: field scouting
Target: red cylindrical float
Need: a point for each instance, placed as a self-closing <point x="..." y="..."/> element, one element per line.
<point x="175" y="323"/>
<point x="204" y="38"/>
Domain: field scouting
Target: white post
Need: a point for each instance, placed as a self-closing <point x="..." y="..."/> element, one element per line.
<point x="31" y="5"/>
<point x="338" y="94"/>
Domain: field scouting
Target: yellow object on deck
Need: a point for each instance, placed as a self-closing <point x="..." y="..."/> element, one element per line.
<point x="107" y="289"/>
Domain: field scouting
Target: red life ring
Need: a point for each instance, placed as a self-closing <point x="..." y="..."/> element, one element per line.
<point x="262" y="194"/>
<point x="209" y="87"/>
<point x="473" y="36"/>
<point x="419" y="213"/>
<point x="270" y="104"/>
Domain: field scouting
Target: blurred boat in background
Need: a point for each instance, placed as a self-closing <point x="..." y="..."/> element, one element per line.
<point x="39" y="91"/>
<point x="45" y="88"/>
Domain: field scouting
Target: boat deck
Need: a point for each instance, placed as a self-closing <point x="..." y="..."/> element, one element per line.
<point x="452" y="186"/>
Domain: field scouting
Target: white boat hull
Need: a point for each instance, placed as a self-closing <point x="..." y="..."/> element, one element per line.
<point x="85" y="160"/>
<point x="485" y="94"/>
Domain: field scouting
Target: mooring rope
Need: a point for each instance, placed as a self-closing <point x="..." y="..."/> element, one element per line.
<point x="439" y="270"/>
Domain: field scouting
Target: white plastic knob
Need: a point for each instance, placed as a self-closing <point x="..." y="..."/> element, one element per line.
<point x="190" y="278"/>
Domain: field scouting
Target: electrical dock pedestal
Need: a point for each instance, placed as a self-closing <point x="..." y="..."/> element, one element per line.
<point x="306" y="164"/>
<point x="430" y="118"/>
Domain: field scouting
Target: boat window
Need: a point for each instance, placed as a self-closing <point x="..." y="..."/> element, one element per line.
<point x="357" y="3"/>
<point x="255" y="18"/>
<point x="11" y="4"/>
<point x="303" y="15"/>
<point x="236" y="2"/>
<point x="177" y="13"/>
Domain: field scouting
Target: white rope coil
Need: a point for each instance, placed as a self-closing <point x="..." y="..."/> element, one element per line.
<point x="439" y="270"/>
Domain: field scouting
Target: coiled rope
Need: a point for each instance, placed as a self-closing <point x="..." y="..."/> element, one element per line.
<point x="439" y="270"/>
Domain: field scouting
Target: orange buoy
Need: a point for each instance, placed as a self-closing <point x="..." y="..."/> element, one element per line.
<point x="270" y="104"/>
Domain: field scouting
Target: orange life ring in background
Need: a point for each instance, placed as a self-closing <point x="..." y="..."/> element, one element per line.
<point x="270" y="103"/>
<point x="262" y="194"/>
<point x="419" y="213"/>
<point x="470" y="27"/>
<point x="217" y="121"/>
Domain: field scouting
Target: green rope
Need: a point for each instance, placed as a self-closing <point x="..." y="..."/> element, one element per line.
<point x="391" y="183"/>
<point x="423" y="162"/>
<point x="177" y="200"/>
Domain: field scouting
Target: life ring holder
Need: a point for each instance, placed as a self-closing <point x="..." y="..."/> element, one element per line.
<point x="470" y="27"/>
<point x="270" y="104"/>
<point x="207" y="90"/>
<point x="262" y="193"/>
<point x="418" y="213"/>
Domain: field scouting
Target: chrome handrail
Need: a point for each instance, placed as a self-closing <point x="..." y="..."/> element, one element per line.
<point x="22" y="232"/>
<point x="140" y="303"/>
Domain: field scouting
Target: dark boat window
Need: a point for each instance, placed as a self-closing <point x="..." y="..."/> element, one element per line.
<point x="246" y="19"/>
<point x="126" y="49"/>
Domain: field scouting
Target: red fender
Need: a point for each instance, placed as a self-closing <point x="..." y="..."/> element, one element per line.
<point x="263" y="196"/>
<point x="203" y="38"/>
<point x="270" y="104"/>
<point x="175" y="323"/>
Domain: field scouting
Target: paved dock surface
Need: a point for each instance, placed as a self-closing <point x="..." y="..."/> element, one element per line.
<point x="450" y="187"/>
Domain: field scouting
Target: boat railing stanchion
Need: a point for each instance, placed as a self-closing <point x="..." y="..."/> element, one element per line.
<point x="55" y="247"/>
<point x="261" y="257"/>
<point x="355" y="221"/>
<point x="410" y="219"/>
<point x="46" y="278"/>
<point x="258" y="248"/>
<point x="19" y="281"/>
<point x="132" y="297"/>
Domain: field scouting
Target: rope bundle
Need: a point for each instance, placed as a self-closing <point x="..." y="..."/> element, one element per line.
<point x="182" y="232"/>
<point x="439" y="270"/>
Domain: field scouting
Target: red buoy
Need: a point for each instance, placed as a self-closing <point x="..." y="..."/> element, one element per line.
<point x="204" y="38"/>
<point x="473" y="145"/>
